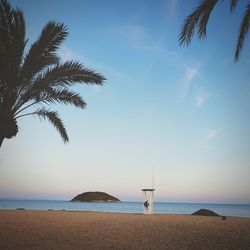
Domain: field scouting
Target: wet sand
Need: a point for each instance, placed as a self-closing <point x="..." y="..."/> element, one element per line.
<point x="90" y="230"/>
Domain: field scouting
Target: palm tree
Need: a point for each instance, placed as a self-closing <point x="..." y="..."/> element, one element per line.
<point x="199" y="19"/>
<point x="38" y="78"/>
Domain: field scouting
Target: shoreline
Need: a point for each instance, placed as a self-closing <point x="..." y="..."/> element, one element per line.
<point x="112" y="212"/>
<point x="41" y="229"/>
<point x="108" y="212"/>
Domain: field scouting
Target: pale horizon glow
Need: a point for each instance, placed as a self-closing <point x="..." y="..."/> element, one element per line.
<point x="183" y="111"/>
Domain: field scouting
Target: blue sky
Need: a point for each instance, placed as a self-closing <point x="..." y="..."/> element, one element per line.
<point x="183" y="111"/>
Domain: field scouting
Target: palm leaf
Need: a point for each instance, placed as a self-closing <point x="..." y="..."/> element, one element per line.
<point x="199" y="17"/>
<point x="189" y="27"/>
<point x="62" y="96"/>
<point x="19" y="41"/>
<point x="6" y="14"/>
<point x="6" y="19"/>
<point x="233" y="5"/>
<point x="12" y="43"/>
<point x="243" y="31"/>
<point x="42" y="52"/>
<point x="67" y="74"/>
<point x="52" y="117"/>
<point x="12" y="33"/>
<point x="206" y="9"/>
<point x="37" y="77"/>
<point x="56" y="96"/>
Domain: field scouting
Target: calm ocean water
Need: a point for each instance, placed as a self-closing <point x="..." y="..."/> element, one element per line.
<point x="127" y="207"/>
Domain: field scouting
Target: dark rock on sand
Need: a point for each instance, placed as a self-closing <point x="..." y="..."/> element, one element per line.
<point x="205" y="212"/>
<point x="95" y="197"/>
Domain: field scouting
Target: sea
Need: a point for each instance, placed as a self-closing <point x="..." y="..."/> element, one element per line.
<point x="126" y="207"/>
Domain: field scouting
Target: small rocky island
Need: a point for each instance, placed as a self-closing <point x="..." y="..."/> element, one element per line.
<point x="205" y="212"/>
<point x="95" y="197"/>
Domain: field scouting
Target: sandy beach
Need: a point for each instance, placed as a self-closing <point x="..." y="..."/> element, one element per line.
<point x="90" y="230"/>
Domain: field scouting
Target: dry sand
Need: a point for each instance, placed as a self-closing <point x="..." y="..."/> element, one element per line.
<point x="90" y="230"/>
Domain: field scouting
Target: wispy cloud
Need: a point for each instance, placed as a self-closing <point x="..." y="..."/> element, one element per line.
<point x="112" y="74"/>
<point x="189" y="75"/>
<point x="156" y="49"/>
<point x="200" y="100"/>
<point x="138" y="37"/>
<point x="170" y="7"/>
<point x="208" y="137"/>
<point x="134" y="34"/>
<point x="68" y="54"/>
<point x="211" y="134"/>
<point x="190" y="86"/>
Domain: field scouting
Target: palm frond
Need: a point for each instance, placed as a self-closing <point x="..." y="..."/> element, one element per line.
<point x="19" y="41"/>
<point x="42" y="52"/>
<point x="12" y="33"/>
<point x="37" y="77"/>
<point x="5" y="15"/>
<point x="12" y="43"/>
<point x="233" y="5"/>
<point x="207" y="8"/>
<point x="56" y="121"/>
<point x="243" y="31"/>
<point x="6" y="18"/>
<point x="62" y="96"/>
<point x="52" y="117"/>
<point x="188" y="28"/>
<point x="63" y="75"/>
<point x="67" y="74"/>
<point x="198" y="18"/>
<point x="55" y="96"/>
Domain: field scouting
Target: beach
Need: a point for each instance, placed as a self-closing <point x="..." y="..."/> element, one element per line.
<point x="26" y="229"/>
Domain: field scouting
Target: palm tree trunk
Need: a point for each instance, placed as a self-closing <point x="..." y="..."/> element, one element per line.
<point x="8" y="127"/>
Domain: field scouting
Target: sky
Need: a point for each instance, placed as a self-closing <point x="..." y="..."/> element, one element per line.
<point x="182" y="111"/>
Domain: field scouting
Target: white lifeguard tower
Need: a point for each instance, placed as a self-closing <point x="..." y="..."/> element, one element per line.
<point x="148" y="203"/>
